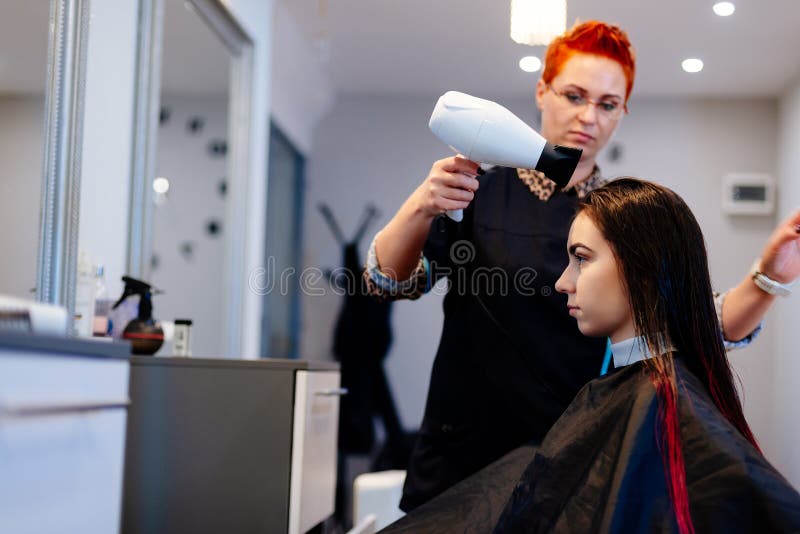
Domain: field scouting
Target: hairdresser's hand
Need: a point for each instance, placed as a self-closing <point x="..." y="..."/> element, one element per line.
<point x="780" y="259"/>
<point x="450" y="185"/>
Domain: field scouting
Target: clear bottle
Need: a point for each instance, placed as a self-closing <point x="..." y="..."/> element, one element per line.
<point x="100" y="288"/>
<point x="84" y="296"/>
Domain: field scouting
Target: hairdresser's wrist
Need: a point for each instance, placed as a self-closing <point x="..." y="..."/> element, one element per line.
<point x="422" y="207"/>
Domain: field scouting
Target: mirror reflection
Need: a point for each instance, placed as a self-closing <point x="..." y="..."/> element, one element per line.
<point x="23" y="67"/>
<point x="190" y="183"/>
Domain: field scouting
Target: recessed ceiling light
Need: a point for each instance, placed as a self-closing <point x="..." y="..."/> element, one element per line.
<point x="724" y="9"/>
<point x="161" y="185"/>
<point x="692" y="65"/>
<point x="530" y="63"/>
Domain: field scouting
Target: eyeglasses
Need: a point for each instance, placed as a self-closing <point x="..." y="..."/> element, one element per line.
<point x="607" y="109"/>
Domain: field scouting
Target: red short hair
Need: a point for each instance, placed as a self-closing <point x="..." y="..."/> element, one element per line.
<point x="591" y="37"/>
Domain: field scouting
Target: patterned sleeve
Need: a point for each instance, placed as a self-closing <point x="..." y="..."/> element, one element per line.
<point x="719" y="298"/>
<point x="382" y="286"/>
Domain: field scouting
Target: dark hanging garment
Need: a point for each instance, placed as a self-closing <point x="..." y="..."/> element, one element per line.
<point x="361" y="341"/>
<point x="599" y="468"/>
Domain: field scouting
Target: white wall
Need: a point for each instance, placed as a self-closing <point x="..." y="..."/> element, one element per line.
<point x="21" y="146"/>
<point x="378" y="149"/>
<point x="786" y="371"/>
<point x="301" y="90"/>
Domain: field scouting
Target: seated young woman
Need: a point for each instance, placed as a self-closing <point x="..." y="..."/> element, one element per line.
<point x="660" y="443"/>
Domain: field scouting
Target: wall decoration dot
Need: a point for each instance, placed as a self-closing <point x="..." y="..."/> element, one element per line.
<point x="217" y="148"/>
<point x="195" y="125"/>
<point x="223" y="187"/>
<point x="187" y="250"/>
<point x="155" y="261"/>
<point x="615" y="152"/>
<point x="213" y="228"/>
<point x="164" y="115"/>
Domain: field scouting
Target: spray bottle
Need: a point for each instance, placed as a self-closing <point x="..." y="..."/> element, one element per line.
<point x="144" y="333"/>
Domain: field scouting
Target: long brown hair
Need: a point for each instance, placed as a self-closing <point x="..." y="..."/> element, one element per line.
<point x="663" y="264"/>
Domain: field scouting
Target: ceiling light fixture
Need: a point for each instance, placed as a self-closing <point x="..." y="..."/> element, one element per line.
<point x="692" y="65"/>
<point x="537" y="22"/>
<point x="530" y="64"/>
<point x="724" y="9"/>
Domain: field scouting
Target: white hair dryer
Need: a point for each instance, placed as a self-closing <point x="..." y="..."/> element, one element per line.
<point x="486" y="132"/>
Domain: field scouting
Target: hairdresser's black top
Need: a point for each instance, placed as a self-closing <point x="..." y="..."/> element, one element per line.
<point x="510" y="359"/>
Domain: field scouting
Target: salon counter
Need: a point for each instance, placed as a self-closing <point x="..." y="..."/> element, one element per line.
<point x="221" y="445"/>
<point x="63" y="404"/>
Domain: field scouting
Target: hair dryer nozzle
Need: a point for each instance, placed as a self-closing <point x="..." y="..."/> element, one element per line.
<point x="558" y="163"/>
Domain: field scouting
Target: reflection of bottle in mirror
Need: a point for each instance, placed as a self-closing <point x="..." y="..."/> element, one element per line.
<point x="84" y="296"/>
<point x="102" y="304"/>
<point x="182" y="340"/>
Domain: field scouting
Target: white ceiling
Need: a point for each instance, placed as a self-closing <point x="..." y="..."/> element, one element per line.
<point x="429" y="46"/>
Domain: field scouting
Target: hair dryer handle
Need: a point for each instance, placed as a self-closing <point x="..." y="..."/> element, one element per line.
<point x="456" y="215"/>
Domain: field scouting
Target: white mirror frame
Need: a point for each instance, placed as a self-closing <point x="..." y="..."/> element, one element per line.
<point x="61" y="169"/>
<point x="146" y="109"/>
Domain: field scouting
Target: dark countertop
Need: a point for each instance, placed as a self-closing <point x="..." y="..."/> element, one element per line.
<point x="66" y="346"/>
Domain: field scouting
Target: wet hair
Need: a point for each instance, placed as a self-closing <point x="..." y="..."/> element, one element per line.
<point x="663" y="264"/>
<point x="591" y="37"/>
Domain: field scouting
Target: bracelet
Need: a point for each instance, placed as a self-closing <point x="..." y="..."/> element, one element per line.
<point x="767" y="284"/>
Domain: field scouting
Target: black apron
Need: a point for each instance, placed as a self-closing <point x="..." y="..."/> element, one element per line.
<point x="510" y="358"/>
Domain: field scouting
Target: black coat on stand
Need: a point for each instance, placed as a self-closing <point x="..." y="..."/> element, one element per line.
<point x="361" y="341"/>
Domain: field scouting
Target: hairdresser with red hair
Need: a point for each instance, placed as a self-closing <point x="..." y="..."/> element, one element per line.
<point x="511" y="358"/>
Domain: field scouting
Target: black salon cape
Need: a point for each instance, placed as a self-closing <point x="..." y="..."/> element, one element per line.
<point x="599" y="468"/>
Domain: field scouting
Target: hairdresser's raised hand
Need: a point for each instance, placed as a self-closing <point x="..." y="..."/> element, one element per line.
<point x="780" y="259"/>
<point x="450" y="185"/>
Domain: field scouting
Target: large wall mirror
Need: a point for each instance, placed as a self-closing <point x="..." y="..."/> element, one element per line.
<point x="187" y="211"/>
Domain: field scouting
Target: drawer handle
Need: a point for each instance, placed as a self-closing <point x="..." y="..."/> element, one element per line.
<point x="33" y="410"/>
<point x="331" y="392"/>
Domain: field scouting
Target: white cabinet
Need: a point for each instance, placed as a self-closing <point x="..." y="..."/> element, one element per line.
<point x="313" y="476"/>
<point x="62" y="435"/>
